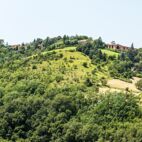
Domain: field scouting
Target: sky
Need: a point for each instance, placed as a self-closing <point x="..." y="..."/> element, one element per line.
<point x="113" y="20"/>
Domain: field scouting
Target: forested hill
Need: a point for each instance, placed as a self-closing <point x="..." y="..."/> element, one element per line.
<point x="50" y="92"/>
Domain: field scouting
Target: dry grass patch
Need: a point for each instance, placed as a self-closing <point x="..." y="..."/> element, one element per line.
<point x="122" y="85"/>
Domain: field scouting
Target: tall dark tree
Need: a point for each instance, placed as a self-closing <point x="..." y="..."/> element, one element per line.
<point x="132" y="46"/>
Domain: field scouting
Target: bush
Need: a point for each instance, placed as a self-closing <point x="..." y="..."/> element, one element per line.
<point x="103" y="81"/>
<point x="94" y="71"/>
<point x="34" y="67"/>
<point x="59" y="78"/>
<point x="72" y="50"/>
<point x="139" y="84"/>
<point x="88" y="82"/>
<point x="85" y="64"/>
<point x="61" y="55"/>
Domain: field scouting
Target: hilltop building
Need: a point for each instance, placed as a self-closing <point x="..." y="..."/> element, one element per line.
<point x="115" y="46"/>
<point x="15" y="47"/>
<point x="82" y="42"/>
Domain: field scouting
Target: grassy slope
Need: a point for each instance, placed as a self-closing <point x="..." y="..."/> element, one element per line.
<point x="109" y="52"/>
<point x="68" y="70"/>
<point x="72" y="65"/>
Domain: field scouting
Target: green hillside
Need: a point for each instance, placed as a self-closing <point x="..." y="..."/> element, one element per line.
<point x="109" y="52"/>
<point x="50" y="91"/>
<point x="55" y="69"/>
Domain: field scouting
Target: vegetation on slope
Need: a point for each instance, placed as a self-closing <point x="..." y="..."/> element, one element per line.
<point x="109" y="52"/>
<point x="49" y="92"/>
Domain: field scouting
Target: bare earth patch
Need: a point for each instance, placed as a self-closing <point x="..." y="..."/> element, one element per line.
<point x="119" y="85"/>
<point x="107" y="89"/>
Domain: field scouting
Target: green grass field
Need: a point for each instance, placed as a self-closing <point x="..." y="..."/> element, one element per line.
<point x="109" y="52"/>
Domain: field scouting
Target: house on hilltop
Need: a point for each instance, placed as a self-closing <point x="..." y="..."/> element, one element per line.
<point x="85" y="41"/>
<point x="15" y="47"/>
<point x="82" y="42"/>
<point x="115" y="46"/>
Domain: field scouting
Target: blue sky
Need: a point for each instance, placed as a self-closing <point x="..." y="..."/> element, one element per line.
<point x="24" y="20"/>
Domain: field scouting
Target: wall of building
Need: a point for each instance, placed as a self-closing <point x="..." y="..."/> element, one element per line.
<point x="117" y="47"/>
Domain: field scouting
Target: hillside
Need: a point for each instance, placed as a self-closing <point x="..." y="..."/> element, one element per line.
<point x="56" y="68"/>
<point x="110" y="52"/>
<point x="69" y="89"/>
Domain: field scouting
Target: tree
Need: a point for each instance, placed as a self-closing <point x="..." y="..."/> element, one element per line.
<point x="117" y="106"/>
<point x="132" y="53"/>
<point x="65" y="39"/>
<point x="98" y="43"/>
<point x="122" y="56"/>
<point x="1" y="42"/>
<point x="132" y="46"/>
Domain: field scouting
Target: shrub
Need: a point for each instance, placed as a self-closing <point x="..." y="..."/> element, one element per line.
<point x="59" y="78"/>
<point x="88" y="82"/>
<point x="34" y="67"/>
<point x="85" y="64"/>
<point x="75" y="67"/>
<point x="139" y="84"/>
<point x="65" y="59"/>
<point x="94" y="71"/>
<point x="61" y="55"/>
<point x="72" y="50"/>
<point x="103" y="81"/>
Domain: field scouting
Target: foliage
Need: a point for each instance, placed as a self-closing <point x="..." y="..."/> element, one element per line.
<point x="50" y="93"/>
<point x="139" y="84"/>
